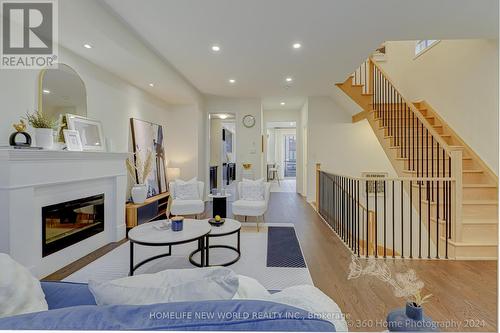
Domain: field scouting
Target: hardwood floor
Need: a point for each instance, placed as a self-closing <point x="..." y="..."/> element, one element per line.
<point x="464" y="292"/>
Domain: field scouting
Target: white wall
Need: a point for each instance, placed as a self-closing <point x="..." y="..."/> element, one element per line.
<point x="185" y="130"/>
<point x="112" y="101"/>
<point x="248" y="140"/>
<point x="302" y="154"/>
<point x="339" y="145"/>
<point x="459" y="78"/>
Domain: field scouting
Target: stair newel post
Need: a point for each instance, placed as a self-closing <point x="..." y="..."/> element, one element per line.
<point x="456" y="193"/>
<point x="318" y="174"/>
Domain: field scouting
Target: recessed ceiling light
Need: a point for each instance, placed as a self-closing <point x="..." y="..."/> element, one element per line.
<point x="151" y="84"/>
<point x="87" y="46"/>
<point x="282" y="103"/>
<point x="297" y="45"/>
<point x="223" y="116"/>
<point x="232" y="81"/>
<point x="46" y="91"/>
<point x="289" y="79"/>
<point x="215" y="48"/>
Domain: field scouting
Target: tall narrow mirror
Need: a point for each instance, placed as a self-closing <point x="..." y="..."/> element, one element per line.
<point x="61" y="91"/>
<point x="222" y="151"/>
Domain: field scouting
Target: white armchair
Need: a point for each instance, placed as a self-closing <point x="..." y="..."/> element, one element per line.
<point x="247" y="208"/>
<point x="183" y="207"/>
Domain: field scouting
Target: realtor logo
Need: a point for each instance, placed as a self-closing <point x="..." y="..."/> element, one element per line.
<point x="29" y="34"/>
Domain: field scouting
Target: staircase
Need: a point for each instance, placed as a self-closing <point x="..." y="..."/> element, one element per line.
<point x="419" y="143"/>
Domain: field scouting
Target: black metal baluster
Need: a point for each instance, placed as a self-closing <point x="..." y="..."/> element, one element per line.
<point x="357" y="215"/>
<point x="413" y="140"/>
<point x="367" y="217"/>
<point x="449" y="193"/>
<point x="419" y="219"/>
<point x="437" y="220"/>
<point x="428" y="222"/>
<point x="418" y="152"/>
<point x="432" y="164"/>
<point x="411" y="219"/>
<point x="376" y="220"/>
<point x="402" y="222"/>
<point x="393" y="223"/>
<point x="385" y="227"/>
<point x="447" y="220"/>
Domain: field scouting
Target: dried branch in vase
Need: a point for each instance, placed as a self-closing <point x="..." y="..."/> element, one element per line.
<point x="140" y="165"/>
<point x="405" y="285"/>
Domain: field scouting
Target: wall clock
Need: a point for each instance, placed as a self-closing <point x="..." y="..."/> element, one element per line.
<point x="249" y="121"/>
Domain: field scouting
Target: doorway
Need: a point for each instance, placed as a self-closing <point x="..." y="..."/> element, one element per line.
<point x="282" y="156"/>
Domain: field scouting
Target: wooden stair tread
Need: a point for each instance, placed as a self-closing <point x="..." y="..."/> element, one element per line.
<point x="472" y="171"/>
<point x="467" y="202"/>
<point x="469" y="244"/>
<point x="470" y="221"/>
<point x="475" y="185"/>
<point x="473" y="220"/>
<point x="479" y="202"/>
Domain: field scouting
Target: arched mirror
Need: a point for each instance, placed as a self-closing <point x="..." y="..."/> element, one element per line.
<point x="61" y="91"/>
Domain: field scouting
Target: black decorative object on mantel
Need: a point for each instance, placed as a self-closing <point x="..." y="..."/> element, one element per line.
<point x="20" y="130"/>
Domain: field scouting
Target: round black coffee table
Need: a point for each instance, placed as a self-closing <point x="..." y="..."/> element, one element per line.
<point x="230" y="227"/>
<point x="148" y="234"/>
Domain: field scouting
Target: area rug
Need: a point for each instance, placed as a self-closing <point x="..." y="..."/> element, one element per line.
<point x="272" y="256"/>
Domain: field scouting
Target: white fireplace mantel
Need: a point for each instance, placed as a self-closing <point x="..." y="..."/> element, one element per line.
<point x="32" y="179"/>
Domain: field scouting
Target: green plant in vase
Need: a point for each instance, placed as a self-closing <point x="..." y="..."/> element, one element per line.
<point x="44" y="128"/>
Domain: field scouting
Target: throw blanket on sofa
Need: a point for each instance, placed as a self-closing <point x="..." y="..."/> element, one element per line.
<point x="232" y="315"/>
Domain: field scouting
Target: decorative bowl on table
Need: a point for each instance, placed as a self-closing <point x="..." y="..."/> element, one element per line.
<point x="217" y="221"/>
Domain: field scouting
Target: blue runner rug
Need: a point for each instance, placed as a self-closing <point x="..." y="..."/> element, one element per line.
<point x="283" y="248"/>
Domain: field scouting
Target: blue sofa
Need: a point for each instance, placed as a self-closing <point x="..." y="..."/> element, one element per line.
<point x="72" y="307"/>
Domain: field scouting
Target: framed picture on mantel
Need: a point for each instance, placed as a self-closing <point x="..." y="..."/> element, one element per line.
<point x="147" y="136"/>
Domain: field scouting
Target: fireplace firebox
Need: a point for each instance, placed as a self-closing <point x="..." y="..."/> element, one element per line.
<point x="70" y="222"/>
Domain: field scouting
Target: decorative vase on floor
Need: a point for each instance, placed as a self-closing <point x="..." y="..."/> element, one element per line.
<point x="410" y="319"/>
<point x="44" y="137"/>
<point x="139" y="193"/>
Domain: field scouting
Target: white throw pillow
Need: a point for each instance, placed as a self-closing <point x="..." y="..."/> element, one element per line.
<point x="175" y="285"/>
<point x="250" y="288"/>
<point x="187" y="190"/>
<point x="313" y="300"/>
<point x="20" y="292"/>
<point x="252" y="190"/>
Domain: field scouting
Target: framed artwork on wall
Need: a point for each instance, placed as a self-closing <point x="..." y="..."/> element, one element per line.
<point x="147" y="136"/>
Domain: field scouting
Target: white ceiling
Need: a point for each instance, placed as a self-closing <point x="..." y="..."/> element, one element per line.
<point x="256" y="37"/>
<point x="291" y="102"/>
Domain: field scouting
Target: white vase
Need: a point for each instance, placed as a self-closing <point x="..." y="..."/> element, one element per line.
<point x="139" y="193"/>
<point x="44" y="137"/>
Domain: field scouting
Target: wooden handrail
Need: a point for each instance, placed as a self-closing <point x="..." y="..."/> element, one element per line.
<point x="435" y="179"/>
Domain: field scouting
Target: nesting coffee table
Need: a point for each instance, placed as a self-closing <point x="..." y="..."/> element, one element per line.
<point x="148" y="234"/>
<point x="230" y="227"/>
